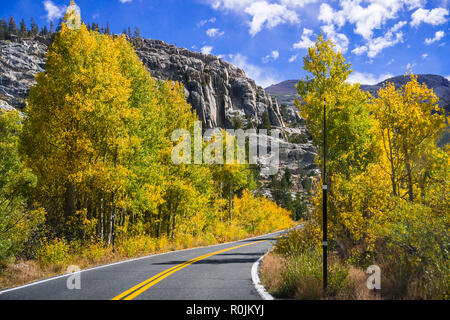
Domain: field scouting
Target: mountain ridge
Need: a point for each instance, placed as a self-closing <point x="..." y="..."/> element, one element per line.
<point x="285" y="91"/>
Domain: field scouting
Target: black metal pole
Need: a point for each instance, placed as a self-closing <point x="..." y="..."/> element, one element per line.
<point x="325" y="189"/>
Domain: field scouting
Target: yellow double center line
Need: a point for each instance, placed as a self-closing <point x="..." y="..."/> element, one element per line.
<point x="147" y="284"/>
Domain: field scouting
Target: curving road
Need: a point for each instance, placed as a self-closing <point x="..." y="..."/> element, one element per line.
<point x="220" y="272"/>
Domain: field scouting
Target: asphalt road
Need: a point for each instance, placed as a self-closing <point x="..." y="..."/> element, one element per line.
<point x="221" y="272"/>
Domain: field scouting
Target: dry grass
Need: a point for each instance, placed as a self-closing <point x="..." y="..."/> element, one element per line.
<point x="271" y="271"/>
<point x="309" y="289"/>
<point x="358" y="286"/>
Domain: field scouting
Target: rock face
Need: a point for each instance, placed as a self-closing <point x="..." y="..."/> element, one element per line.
<point x="19" y="62"/>
<point x="217" y="90"/>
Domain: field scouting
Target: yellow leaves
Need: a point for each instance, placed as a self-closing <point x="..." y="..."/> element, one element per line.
<point x="259" y="215"/>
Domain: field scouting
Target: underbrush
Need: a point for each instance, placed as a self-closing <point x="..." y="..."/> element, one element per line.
<point x="294" y="270"/>
<point x="411" y="252"/>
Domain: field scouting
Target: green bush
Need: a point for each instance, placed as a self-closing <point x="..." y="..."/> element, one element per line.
<point x="298" y="138"/>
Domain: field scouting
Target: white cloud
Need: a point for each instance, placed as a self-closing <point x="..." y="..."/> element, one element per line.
<point x="339" y="39"/>
<point x="380" y="43"/>
<point x="297" y="3"/>
<point x="293" y="58"/>
<point x="269" y="15"/>
<point x="125" y="1"/>
<point x="367" y="78"/>
<point x="262" y="13"/>
<point x="437" y="36"/>
<point x="425" y="55"/>
<point x="409" y="66"/>
<point x="374" y="46"/>
<point x="305" y="41"/>
<point x="206" y="49"/>
<point x="448" y="77"/>
<point x="214" y="32"/>
<point x="203" y="22"/>
<point x="434" y="17"/>
<point x="359" y="50"/>
<point x="274" y="55"/>
<point x="263" y="77"/>
<point x="365" y="19"/>
<point x="53" y="11"/>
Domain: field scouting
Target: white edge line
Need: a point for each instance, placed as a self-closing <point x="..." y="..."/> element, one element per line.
<point x="130" y="260"/>
<point x="256" y="281"/>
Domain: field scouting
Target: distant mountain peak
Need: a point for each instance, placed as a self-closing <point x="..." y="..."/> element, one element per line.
<point x="285" y="91"/>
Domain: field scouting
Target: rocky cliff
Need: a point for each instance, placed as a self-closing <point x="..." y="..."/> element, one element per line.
<point x="216" y="89"/>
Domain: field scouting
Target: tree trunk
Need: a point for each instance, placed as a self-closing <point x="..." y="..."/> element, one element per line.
<point x="410" y="182"/>
<point x="70" y="200"/>
<point x="394" y="187"/>
<point x="230" y="205"/>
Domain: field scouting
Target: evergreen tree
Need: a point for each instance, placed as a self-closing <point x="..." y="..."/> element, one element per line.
<point x="108" y="28"/>
<point x="265" y="122"/>
<point x="23" y="32"/>
<point x="34" y="28"/>
<point x="52" y="28"/>
<point x="12" y="27"/>
<point x="58" y="28"/>
<point x="137" y="33"/>
<point x="299" y="207"/>
<point x="44" y="32"/>
<point x="3" y="29"/>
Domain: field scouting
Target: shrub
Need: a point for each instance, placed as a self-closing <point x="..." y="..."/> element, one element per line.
<point x="53" y="253"/>
<point x="297" y="240"/>
<point x="132" y="246"/>
<point x="298" y="138"/>
<point x="93" y="251"/>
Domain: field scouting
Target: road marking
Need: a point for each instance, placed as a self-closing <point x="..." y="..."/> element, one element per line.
<point x="257" y="281"/>
<point x="147" y="284"/>
<point x="128" y="261"/>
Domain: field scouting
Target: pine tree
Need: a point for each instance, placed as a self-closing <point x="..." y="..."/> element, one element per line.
<point x="3" y="30"/>
<point x="265" y="122"/>
<point x="12" y="27"/>
<point x="44" y="32"/>
<point x="34" y="31"/>
<point x="137" y="33"/>
<point x="108" y="28"/>
<point x="23" y="32"/>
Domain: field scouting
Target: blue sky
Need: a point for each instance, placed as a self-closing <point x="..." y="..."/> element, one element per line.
<point x="268" y="38"/>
